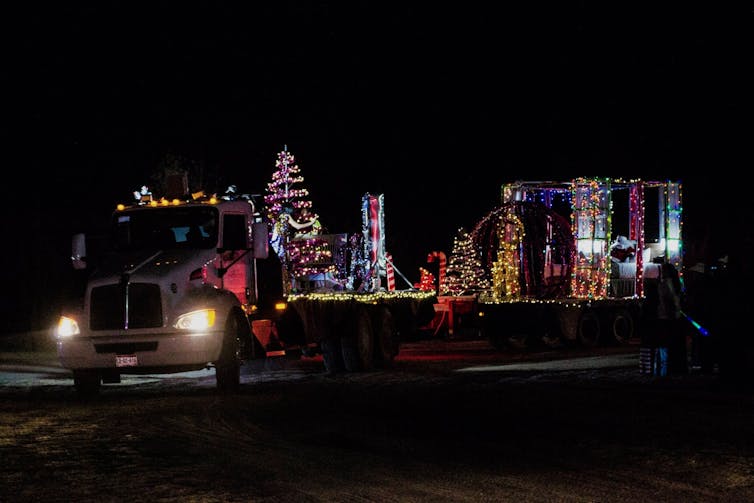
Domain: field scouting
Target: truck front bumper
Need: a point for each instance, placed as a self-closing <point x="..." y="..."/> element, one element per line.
<point x="153" y="352"/>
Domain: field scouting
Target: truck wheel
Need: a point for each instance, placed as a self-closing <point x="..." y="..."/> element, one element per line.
<point x="87" y="382"/>
<point x="518" y="341"/>
<point x="386" y="342"/>
<point x="622" y="326"/>
<point x="228" y="366"/>
<point x="358" y="346"/>
<point x="589" y="328"/>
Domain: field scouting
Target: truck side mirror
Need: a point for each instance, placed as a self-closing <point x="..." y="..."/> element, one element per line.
<point x="261" y="248"/>
<point x="78" y="251"/>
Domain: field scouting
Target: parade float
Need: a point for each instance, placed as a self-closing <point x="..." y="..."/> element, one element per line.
<point x="564" y="262"/>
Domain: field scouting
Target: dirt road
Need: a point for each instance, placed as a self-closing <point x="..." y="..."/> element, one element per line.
<point x="447" y="423"/>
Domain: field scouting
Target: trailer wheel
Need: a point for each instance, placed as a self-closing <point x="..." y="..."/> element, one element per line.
<point x="358" y="346"/>
<point x="87" y="382"/>
<point x="622" y="326"/>
<point x="228" y="365"/>
<point x="589" y="328"/>
<point x="332" y="355"/>
<point x="386" y="344"/>
<point x="497" y="341"/>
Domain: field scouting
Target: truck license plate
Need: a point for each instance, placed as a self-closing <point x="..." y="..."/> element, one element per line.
<point x="126" y="361"/>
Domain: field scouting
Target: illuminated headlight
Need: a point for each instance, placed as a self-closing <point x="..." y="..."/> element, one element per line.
<point x="67" y="327"/>
<point x="196" y="320"/>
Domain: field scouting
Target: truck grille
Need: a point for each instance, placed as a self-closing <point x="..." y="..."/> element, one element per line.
<point x="108" y="307"/>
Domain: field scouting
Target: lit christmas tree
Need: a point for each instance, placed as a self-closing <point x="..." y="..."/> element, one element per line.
<point x="303" y="255"/>
<point x="284" y="188"/>
<point x="426" y="281"/>
<point x="284" y="191"/>
<point x="465" y="270"/>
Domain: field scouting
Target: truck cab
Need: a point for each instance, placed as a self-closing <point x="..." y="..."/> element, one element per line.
<point x="173" y="292"/>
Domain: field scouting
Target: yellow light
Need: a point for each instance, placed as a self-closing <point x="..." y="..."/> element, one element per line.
<point x="121" y="207"/>
<point x="164" y="202"/>
<point x="67" y="327"/>
<point x="196" y="320"/>
<point x="212" y="200"/>
<point x="280" y="306"/>
<point x="176" y="202"/>
<point x="153" y="203"/>
<point x="366" y="298"/>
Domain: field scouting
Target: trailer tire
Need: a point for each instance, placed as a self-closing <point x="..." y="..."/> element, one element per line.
<point x="332" y="355"/>
<point x="588" y="330"/>
<point x="497" y="341"/>
<point x="87" y="382"/>
<point x="622" y="326"/>
<point x="386" y="337"/>
<point x="358" y="346"/>
<point x="228" y="365"/>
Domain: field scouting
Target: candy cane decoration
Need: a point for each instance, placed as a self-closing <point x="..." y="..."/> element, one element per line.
<point x="443" y="263"/>
<point x="390" y="272"/>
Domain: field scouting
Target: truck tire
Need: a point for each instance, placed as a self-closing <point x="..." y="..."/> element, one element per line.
<point x="622" y="326"/>
<point x="588" y="330"/>
<point x="358" y="346"/>
<point x="386" y="344"/>
<point x="87" y="382"/>
<point x="228" y="365"/>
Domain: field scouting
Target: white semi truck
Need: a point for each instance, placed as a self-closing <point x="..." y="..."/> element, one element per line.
<point x="188" y="283"/>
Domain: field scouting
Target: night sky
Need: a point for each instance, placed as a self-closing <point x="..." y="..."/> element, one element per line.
<point x="435" y="106"/>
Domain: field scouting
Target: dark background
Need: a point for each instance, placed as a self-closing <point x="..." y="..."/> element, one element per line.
<point x="433" y="105"/>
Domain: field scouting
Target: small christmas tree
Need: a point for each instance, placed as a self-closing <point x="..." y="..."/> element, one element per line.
<point x="426" y="281"/>
<point x="465" y="271"/>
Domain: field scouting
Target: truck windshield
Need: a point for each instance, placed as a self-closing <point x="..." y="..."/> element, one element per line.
<point x="163" y="228"/>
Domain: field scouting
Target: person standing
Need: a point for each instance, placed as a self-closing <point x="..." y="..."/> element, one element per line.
<point x="648" y="327"/>
<point x="731" y="317"/>
<point x="670" y="356"/>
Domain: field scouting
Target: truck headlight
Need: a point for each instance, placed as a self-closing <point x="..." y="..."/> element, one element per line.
<point x="67" y="327"/>
<point x="196" y="320"/>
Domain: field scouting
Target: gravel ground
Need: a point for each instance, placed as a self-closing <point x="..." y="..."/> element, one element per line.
<point x="450" y="422"/>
